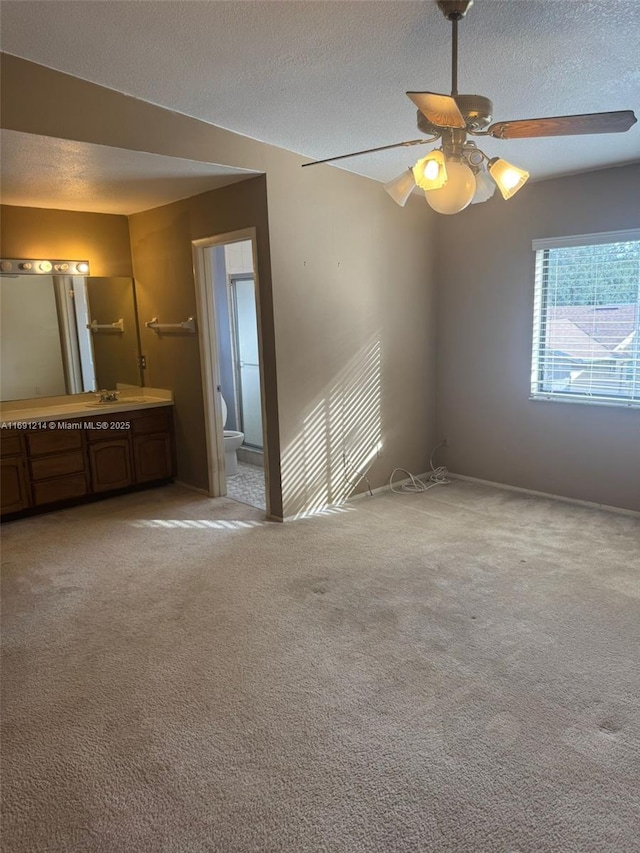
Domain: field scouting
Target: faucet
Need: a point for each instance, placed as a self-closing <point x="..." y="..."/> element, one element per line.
<point x="108" y="396"/>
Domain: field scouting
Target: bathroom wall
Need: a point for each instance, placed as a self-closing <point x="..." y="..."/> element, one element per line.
<point x="228" y="259"/>
<point x="100" y="238"/>
<point x="161" y="247"/>
<point x="239" y="258"/>
<point x="238" y="261"/>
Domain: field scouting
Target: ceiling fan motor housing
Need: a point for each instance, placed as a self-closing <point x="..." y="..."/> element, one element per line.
<point x="454" y="10"/>
<point x="476" y="110"/>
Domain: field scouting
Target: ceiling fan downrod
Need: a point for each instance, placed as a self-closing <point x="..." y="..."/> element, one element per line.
<point x="454" y="11"/>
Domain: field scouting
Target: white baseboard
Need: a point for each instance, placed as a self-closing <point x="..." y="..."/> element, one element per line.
<point x="577" y="501"/>
<point x="387" y="487"/>
<point x="505" y="486"/>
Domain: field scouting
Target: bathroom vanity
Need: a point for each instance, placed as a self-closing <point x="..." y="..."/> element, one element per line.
<point x="64" y="334"/>
<point x="74" y="452"/>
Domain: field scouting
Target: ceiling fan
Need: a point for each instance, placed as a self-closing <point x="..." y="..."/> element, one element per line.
<point x="459" y="173"/>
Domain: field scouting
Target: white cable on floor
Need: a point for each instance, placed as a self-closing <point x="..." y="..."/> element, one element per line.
<point x="361" y="476"/>
<point x="438" y="477"/>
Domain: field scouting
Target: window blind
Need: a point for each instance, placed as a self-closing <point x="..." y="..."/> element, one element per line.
<point x="586" y="335"/>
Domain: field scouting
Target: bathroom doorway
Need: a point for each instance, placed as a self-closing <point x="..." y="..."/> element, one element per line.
<point x="244" y="325"/>
<point x="227" y="285"/>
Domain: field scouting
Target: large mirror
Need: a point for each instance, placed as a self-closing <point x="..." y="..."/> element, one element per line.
<point x="67" y="334"/>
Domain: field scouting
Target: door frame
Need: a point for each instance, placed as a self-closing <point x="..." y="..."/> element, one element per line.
<point x="210" y="364"/>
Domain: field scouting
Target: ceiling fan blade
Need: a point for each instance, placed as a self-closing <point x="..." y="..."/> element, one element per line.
<point x="439" y="110"/>
<point x="616" y="122"/>
<point x="372" y="150"/>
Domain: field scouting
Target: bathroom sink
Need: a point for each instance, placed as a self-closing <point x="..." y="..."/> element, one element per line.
<point x="125" y="401"/>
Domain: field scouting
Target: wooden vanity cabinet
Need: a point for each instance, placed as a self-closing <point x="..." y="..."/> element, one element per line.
<point x="152" y="446"/>
<point x="110" y="464"/>
<point x="81" y="458"/>
<point x="109" y="452"/>
<point x="14" y="484"/>
<point x="57" y="464"/>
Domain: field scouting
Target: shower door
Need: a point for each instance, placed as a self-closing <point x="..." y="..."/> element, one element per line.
<point x="247" y="362"/>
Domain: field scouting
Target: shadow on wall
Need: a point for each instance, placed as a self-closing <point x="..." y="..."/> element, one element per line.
<point x="340" y="437"/>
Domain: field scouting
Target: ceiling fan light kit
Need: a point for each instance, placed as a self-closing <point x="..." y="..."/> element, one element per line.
<point x="430" y="173"/>
<point x="457" y="192"/>
<point x="400" y="188"/>
<point x="458" y="173"/>
<point x="509" y="179"/>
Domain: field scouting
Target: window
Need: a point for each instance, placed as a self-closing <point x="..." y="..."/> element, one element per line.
<point x="586" y="333"/>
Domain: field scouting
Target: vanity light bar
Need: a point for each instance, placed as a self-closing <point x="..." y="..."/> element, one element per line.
<point x="42" y="266"/>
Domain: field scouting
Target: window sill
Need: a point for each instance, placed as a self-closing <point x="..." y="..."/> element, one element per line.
<point x="557" y="398"/>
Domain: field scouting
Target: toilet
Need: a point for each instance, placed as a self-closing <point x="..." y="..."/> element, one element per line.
<point x="232" y="441"/>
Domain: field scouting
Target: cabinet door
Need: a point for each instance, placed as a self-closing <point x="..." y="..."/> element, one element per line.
<point x="152" y="457"/>
<point x="110" y="465"/>
<point x="14" y="489"/>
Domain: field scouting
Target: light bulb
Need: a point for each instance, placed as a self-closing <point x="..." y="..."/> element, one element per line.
<point x="82" y="267"/>
<point x="399" y="188"/>
<point x="457" y="193"/>
<point x="430" y="173"/>
<point x="508" y="178"/>
<point x="45" y="266"/>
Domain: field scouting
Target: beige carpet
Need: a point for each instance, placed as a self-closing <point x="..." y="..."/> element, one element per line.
<point x="451" y="671"/>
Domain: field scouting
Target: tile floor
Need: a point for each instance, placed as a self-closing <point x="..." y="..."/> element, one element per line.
<point x="247" y="486"/>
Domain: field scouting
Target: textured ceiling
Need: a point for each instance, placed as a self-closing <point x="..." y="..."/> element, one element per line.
<point x="38" y="171"/>
<point x="325" y="78"/>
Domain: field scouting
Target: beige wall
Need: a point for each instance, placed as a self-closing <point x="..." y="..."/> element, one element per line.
<point x="353" y="290"/>
<point x="353" y="301"/>
<point x="100" y="238"/>
<point x="485" y="287"/>
<point x="163" y="264"/>
<point x="352" y="286"/>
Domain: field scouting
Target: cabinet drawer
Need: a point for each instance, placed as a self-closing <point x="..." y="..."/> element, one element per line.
<point x="54" y="441"/>
<point x="11" y="445"/>
<point x="57" y="466"/>
<point x="51" y="491"/>
<point x="155" y="420"/>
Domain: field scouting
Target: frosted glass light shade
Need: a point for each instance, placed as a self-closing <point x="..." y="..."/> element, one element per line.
<point x="485" y="188"/>
<point x="430" y="173"/>
<point x="457" y="193"/>
<point x="400" y="188"/>
<point x="508" y="178"/>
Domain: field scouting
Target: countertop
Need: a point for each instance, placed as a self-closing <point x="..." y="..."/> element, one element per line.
<point x="24" y="412"/>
